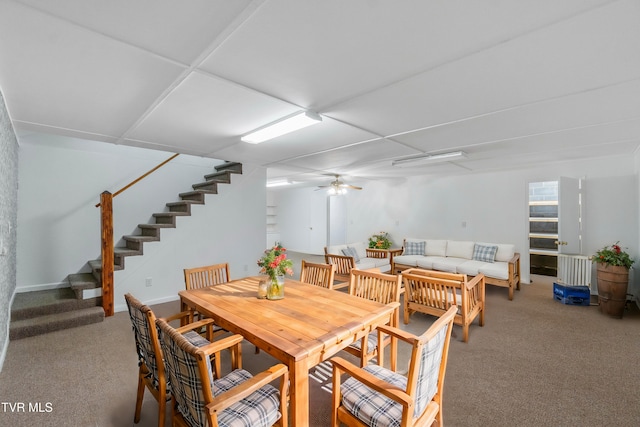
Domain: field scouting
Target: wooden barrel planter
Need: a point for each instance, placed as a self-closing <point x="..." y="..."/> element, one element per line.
<point x="612" y="289"/>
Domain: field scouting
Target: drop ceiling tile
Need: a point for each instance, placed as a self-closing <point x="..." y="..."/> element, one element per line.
<point x="317" y="55"/>
<point x="205" y="113"/>
<point x="617" y="104"/>
<point x="177" y="30"/>
<point x="569" y="57"/>
<point x="65" y="77"/>
<point x="320" y="138"/>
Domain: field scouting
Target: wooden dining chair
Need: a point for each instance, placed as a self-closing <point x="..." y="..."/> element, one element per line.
<point x="210" y="275"/>
<point x="374" y="395"/>
<point x="238" y="398"/>
<point x="383" y="288"/>
<point x="151" y="371"/>
<point x="318" y="274"/>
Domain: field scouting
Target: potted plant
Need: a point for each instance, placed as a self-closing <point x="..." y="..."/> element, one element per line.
<point x="380" y="241"/>
<point x="612" y="273"/>
<point x="275" y="264"/>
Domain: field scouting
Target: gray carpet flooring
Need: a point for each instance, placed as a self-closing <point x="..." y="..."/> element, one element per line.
<point x="535" y="362"/>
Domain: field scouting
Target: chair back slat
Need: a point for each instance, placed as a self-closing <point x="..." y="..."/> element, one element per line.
<point x="146" y="338"/>
<point x="185" y="374"/>
<point x="318" y="274"/>
<point x="210" y="275"/>
<point x="425" y="379"/>
<point x="375" y="286"/>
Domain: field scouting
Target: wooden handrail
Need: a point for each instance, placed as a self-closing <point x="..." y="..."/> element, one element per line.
<point x="106" y="240"/>
<point x="135" y="181"/>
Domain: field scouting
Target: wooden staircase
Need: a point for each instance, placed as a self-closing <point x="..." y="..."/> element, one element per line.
<point x="35" y="313"/>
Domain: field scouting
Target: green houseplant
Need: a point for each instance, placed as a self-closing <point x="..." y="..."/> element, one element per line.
<point x="612" y="274"/>
<point x="275" y="264"/>
<point x="380" y="241"/>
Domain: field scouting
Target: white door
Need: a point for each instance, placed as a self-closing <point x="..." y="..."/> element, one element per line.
<point x="337" y="220"/>
<point x="569" y="216"/>
<point x="317" y="222"/>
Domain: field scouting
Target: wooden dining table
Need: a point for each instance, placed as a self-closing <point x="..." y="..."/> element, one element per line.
<point x="307" y="327"/>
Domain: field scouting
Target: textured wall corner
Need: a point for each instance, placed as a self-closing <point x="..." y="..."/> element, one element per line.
<point x="8" y="220"/>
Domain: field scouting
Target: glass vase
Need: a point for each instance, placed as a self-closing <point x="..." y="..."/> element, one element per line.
<point x="276" y="288"/>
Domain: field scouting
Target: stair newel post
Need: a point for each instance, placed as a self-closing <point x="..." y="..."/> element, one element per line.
<point x="106" y="223"/>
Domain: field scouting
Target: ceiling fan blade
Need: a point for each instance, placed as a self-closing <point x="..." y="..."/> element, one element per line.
<point x="353" y="187"/>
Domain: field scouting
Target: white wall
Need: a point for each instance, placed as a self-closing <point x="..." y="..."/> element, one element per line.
<point x="494" y="206"/>
<point x="59" y="225"/>
<point x="302" y="219"/>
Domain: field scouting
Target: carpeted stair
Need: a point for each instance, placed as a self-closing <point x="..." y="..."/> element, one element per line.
<point x="39" y="312"/>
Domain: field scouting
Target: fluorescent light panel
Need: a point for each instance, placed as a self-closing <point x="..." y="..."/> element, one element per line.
<point x="283" y="126"/>
<point x="278" y="183"/>
<point x="428" y="158"/>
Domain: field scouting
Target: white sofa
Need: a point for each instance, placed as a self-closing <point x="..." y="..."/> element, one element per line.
<point x="499" y="262"/>
<point x="356" y="255"/>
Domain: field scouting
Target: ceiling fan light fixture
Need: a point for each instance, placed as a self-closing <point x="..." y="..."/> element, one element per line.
<point x="282" y="126"/>
<point x="336" y="191"/>
<point x="428" y="158"/>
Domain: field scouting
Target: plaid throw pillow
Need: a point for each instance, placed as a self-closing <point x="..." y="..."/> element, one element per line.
<point x="349" y="251"/>
<point x="414" y="248"/>
<point x="484" y="253"/>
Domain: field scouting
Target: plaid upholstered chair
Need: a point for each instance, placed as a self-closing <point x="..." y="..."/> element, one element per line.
<point x="376" y="396"/>
<point x="236" y="399"/>
<point x="317" y="274"/>
<point x="151" y="371"/>
<point x="382" y="288"/>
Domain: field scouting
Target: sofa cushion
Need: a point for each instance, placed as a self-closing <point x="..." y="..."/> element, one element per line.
<point x="497" y="270"/>
<point x="350" y="251"/>
<point x="366" y="263"/>
<point x="485" y="253"/>
<point x="436" y="248"/>
<point x="448" y="264"/>
<point x="470" y="267"/>
<point x="411" y="260"/>
<point x="336" y="249"/>
<point x="360" y="248"/>
<point x="414" y="248"/>
<point x="379" y="262"/>
<point x="505" y="252"/>
<point x="427" y="261"/>
<point x="460" y="249"/>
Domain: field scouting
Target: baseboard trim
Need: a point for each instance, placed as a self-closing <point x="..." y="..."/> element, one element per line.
<point x="42" y="287"/>
<point x="123" y="307"/>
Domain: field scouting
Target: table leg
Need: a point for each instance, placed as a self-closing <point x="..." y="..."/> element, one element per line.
<point x="299" y="394"/>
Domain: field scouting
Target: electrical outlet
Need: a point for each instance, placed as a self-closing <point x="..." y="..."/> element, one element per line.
<point x="148" y="282"/>
<point x="246" y="267"/>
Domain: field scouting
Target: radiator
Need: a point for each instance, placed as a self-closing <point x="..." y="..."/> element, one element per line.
<point x="575" y="270"/>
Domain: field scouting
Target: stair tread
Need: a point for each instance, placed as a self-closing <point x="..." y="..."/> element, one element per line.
<point x="171" y="214"/>
<point x="26" y="300"/>
<point x="83" y="281"/>
<point x="155" y="226"/>
<point x="140" y="237"/>
<point x="54" y="322"/>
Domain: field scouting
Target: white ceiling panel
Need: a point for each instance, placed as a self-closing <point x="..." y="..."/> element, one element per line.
<point x="325" y="136"/>
<point x="52" y="69"/>
<point x="514" y="84"/>
<point x="612" y="106"/>
<point x="583" y="53"/>
<point x="205" y="110"/>
<point x="177" y="30"/>
<point x="318" y="54"/>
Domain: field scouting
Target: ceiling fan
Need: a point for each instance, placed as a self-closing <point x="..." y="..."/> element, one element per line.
<point x="338" y="187"/>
